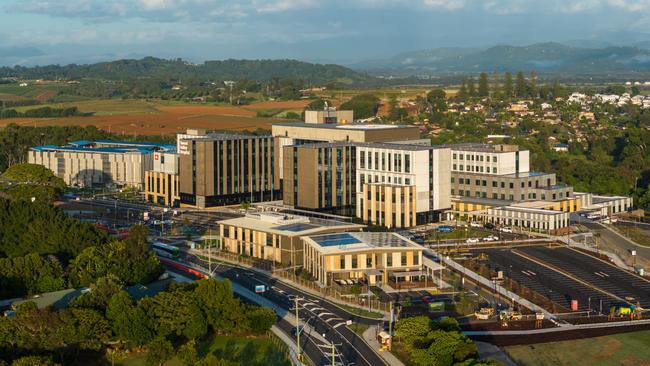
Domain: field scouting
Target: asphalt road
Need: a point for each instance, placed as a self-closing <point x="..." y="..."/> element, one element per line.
<point x="596" y="272"/>
<point x="545" y="281"/>
<point x="615" y="243"/>
<point x="324" y="317"/>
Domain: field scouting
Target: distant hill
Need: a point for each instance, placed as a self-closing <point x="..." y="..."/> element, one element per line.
<point x="551" y="58"/>
<point x="162" y="69"/>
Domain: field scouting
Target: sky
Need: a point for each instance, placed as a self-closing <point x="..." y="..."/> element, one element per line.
<point x="37" y="32"/>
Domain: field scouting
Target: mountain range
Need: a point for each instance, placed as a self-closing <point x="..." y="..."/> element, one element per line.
<point x="545" y="58"/>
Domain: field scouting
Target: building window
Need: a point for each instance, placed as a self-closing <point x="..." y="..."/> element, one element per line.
<point x="363" y="159"/>
<point x="368" y="261"/>
<point x="404" y="260"/>
<point x="354" y="261"/>
<point x="389" y="259"/>
<point x="416" y="259"/>
<point x="269" y="240"/>
<point x="342" y="262"/>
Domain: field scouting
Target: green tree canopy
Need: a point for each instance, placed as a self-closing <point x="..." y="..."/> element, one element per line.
<point x="363" y="105"/>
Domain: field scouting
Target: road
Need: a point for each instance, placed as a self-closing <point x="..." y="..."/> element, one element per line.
<point x="614" y="242"/>
<point x="325" y="318"/>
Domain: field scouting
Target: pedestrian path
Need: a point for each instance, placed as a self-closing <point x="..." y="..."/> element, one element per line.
<point x="370" y="337"/>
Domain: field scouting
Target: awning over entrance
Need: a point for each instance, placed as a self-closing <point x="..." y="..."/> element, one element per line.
<point x="409" y="274"/>
<point x="372" y="272"/>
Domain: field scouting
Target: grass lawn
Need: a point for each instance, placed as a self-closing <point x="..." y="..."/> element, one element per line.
<point x="358" y="328"/>
<point x="618" y="349"/>
<point x="460" y="233"/>
<point x="361" y="312"/>
<point x="639" y="236"/>
<point x="253" y="351"/>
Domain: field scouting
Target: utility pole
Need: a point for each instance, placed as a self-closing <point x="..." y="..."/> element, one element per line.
<point x="298" y="330"/>
<point x="210" y="253"/>
<point x="390" y="326"/>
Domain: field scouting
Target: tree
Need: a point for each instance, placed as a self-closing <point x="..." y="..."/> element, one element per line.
<point x="520" y="86"/>
<point x="187" y="353"/>
<point x="92" y="329"/>
<point x="471" y="89"/>
<point x="507" y="85"/>
<point x="261" y="319"/>
<point x="483" y="85"/>
<point x="34" y="361"/>
<point x="159" y="350"/>
<point x="437" y="98"/>
<point x="224" y="312"/>
<point x="129" y="323"/>
<point x="533" y="92"/>
<point x="363" y="105"/>
<point x="462" y="92"/>
<point x="409" y="329"/>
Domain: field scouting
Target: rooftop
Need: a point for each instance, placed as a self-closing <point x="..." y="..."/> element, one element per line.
<point x="400" y="146"/>
<point x="225" y="136"/>
<point x="359" y="241"/>
<point x="288" y="225"/>
<point x="351" y="126"/>
<point x="481" y="147"/>
<point x="529" y="210"/>
<point x="101" y="150"/>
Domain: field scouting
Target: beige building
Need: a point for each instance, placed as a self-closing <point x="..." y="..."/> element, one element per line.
<point x="275" y="236"/>
<point x="547" y="221"/>
<point x="298" y="133"/>
<point x="83" y="166"/>
<point x="320" y="177"/>
<point x="161" y="182"/>
<point x="374" y="257"/>
<point x="329" y="115"/>
<point x="227" y="169"/>
<point x="400" y="185"/>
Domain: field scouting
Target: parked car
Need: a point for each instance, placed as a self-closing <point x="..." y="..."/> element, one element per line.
<point x="506" y="230"/>
<point x="489" y="226"/>
<point x="490" y="238"/>
<point x="472" y="240"/>
<point x="444" y="229"/>
<point x="475" y="224"/>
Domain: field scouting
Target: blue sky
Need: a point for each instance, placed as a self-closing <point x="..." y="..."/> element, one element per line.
<point x="83" y="31"/>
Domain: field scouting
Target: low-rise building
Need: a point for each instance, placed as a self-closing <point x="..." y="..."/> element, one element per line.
<point x="98" y="164"/>
<point x="374" y="258"/>
<point x="275" y="236"/>
<point x="547" y="221"/>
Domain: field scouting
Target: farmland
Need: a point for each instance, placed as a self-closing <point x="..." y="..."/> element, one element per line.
<point x="141" y="117"/>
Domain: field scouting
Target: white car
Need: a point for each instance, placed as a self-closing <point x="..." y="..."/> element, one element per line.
<point x="472" y="240"/>
<point x="475" y="224"/>
<point x="490" y="238"/>
<point x="505" y="230"/>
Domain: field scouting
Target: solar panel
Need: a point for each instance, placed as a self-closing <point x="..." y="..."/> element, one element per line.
<point x="296" y="227"/>
<point x="336" y="239"/>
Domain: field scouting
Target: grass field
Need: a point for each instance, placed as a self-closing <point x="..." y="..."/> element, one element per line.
<point x="627" y="349"/>
<point x="638" y="235"/>
<point x="33" y="91"/>
<point x="253" y="351"/>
